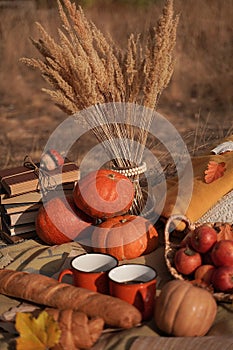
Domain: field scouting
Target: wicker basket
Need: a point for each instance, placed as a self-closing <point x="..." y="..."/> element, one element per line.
<point x="172" y="244"/>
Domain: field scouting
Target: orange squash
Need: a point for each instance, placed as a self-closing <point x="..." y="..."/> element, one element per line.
<point x="125" y="237"/>
<point x="59" y="221"/>
<point x="184" y="310"/>
<point x="104" y="193"/>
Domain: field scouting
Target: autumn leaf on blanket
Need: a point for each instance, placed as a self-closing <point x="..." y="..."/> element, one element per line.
<point x="225" y="232"/>
<point x="214" y="171"/>
<point x="39" y="333"/>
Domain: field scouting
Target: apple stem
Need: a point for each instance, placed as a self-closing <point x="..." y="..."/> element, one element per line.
<point x="189" y="251"/>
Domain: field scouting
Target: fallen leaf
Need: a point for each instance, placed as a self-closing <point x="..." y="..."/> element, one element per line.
<point x="214" y="171"/>
<point x="225" y="232"/>
<point x="39" y="333"/>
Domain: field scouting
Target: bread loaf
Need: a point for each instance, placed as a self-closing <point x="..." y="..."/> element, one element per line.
<point x="47" y="291"/>
<point x="77" y="331"/>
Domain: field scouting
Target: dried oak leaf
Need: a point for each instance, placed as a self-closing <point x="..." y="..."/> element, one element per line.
<point x="39" y="333"/>
<point x="225" y="231"/>
<point x="214" y="171"/>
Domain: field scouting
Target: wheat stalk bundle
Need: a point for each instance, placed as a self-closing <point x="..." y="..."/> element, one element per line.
<point x="86" y="68"/>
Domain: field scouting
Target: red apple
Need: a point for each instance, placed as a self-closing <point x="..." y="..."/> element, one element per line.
<point x="203" y="238"/>
<point x="187" y="260"/>
<point x="222" y="253"/>
<point x="222" y="279"/>
<point x="204" y="273"/>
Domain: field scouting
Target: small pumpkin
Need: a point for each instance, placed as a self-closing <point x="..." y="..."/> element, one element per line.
<point x="184" y="310"/>
<point x="59" y="221"/>
<point x="104" y="193"/>
<point x="125" y="237"/>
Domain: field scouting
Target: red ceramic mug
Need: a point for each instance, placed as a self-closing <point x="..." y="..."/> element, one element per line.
<point x="90" y="271"/>
<point x="136" y="284"/>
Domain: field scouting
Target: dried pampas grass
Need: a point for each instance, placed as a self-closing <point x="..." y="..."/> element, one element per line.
<point x="86" y="69"/>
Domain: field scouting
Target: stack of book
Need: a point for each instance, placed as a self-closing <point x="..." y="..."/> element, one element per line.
<point x="21" y="197"/>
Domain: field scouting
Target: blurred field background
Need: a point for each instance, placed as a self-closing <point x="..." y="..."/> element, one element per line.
<point x="198" y="100"/>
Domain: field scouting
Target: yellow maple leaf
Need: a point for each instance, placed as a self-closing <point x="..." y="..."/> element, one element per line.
<point x="39" y="333"/>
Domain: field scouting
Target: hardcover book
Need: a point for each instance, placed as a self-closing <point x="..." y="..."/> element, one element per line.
<point x="18" y="229"/>
<point x="21" y="179"/>
<point x="16" y="219"/>
<point x="34" y="196"/>
<point x="20" y="207"/>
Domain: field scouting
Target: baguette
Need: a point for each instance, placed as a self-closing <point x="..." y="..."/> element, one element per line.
<point x="77" y="331"/>
<point x="47" y="291"/>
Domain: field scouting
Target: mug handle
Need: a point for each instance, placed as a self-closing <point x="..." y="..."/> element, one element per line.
<point x="63" y="273"/>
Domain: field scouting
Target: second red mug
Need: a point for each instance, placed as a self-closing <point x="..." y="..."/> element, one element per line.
<point x="136" y="284"/>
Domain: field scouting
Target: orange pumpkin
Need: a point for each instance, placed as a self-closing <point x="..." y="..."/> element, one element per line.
<point x="125" y="237"/>
<point x="104" y="193"/>
<point x="59" y="221"/>
<point x="184" y="310"/>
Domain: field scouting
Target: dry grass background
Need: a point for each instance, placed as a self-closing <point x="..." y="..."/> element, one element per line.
<point x="198" y="98"/>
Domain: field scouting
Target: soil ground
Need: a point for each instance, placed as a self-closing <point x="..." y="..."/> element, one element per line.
<point x="198" y="101"/>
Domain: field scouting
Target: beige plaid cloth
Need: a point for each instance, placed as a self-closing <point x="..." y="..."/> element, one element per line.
<point x="34" y="257"/>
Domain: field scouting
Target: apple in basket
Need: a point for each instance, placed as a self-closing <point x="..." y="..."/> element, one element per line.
<point x="222" y="279"/>
<point x="222" y="253"/>
<point x="187" y="260"/>
<point x="203" y="238"/>
<point x="59" y="221"/>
